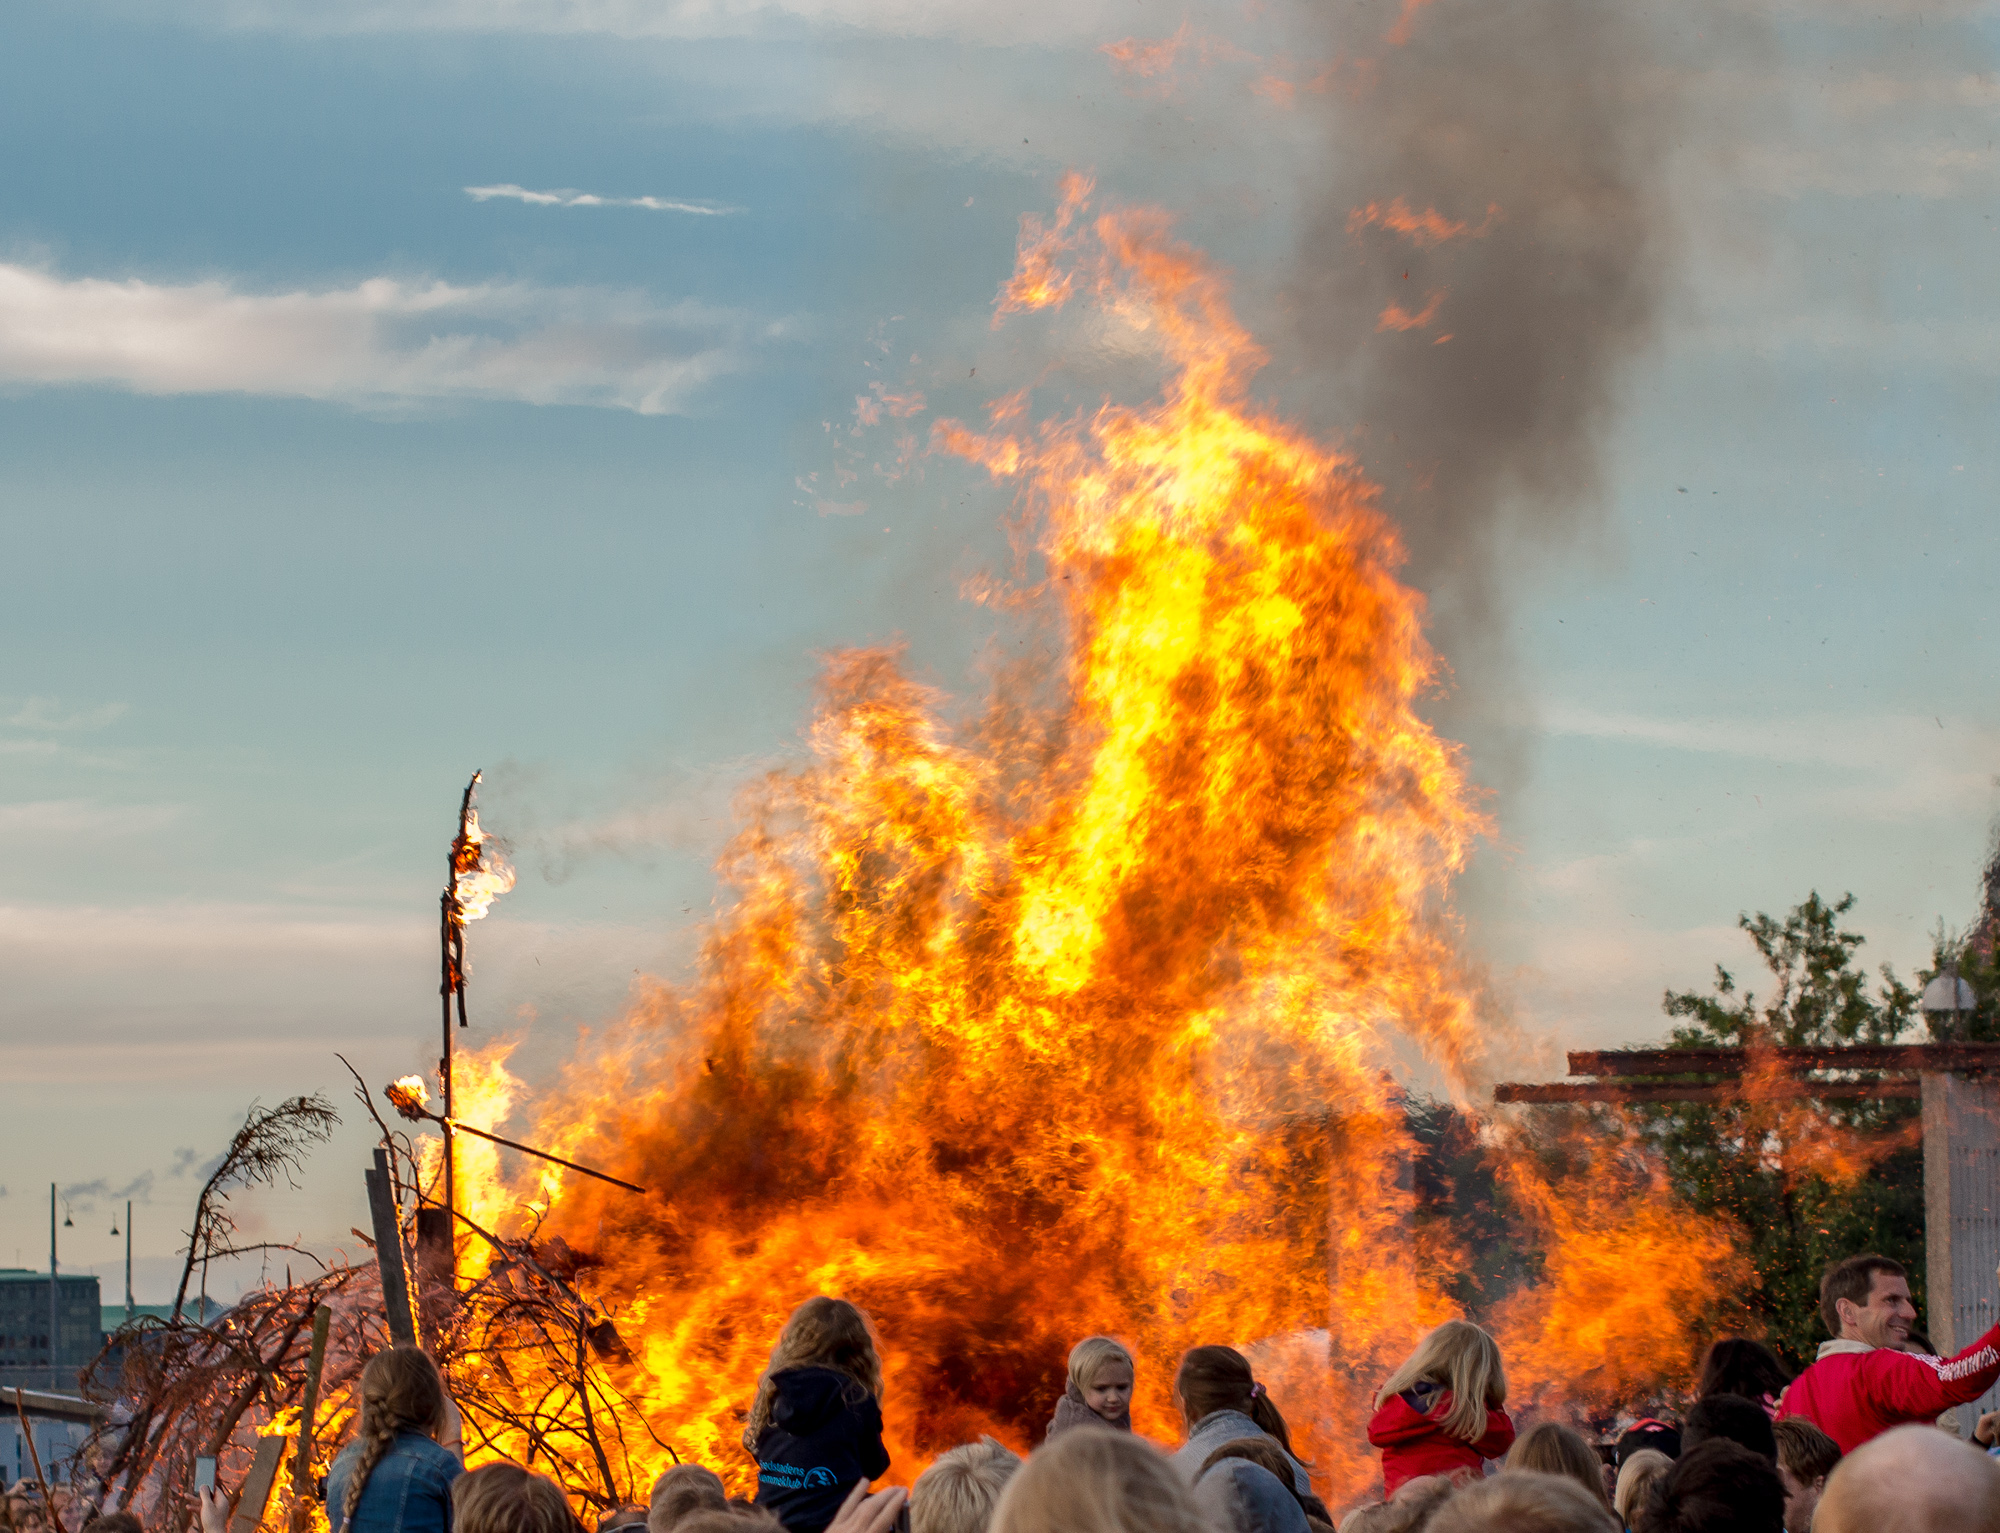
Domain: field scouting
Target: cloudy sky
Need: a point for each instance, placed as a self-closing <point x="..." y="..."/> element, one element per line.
<point x="388" y="390"/>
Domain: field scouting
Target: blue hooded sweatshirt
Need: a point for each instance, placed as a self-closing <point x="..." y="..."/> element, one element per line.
<point x="825" y="1433"/>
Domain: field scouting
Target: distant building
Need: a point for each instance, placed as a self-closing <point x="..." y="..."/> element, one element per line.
<point x="61" y="1425"/>
<point x="29" y="1357"/>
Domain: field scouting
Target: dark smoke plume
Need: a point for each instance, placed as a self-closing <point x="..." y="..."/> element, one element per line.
<point x="1513" y="156"/>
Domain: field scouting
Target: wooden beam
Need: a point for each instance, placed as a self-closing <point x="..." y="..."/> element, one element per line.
<point x="1889" y="1056"/>
<point x="1668" y="1091"/>
<point x="257" y="1488"/>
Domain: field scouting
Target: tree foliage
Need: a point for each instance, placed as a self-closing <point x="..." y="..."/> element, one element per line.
<point x="1810" y="1181"/>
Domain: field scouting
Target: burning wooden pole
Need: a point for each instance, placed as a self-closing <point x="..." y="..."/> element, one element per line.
<point x="475" y="876"/>
<point x="409" y="1098"/>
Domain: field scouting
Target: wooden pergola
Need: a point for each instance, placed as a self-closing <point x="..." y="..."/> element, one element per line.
<point x="1959" y="1087"/>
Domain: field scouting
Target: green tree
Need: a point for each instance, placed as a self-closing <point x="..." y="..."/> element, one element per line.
<point x="1814" y="1180"/>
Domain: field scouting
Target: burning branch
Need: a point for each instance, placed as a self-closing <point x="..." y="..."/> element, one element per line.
<point x="409" y="1096"/>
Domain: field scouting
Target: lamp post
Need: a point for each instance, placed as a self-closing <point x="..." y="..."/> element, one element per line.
<point x="53" y="1311"/>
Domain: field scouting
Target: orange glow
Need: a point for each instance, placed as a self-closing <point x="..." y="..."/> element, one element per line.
<point x="1075" y="1009"/>
<point x="1430" y="227"/>
<point x="1406" y="23"/>
<point x="1396" y="317"/>
<point x="1589" y="1333"/>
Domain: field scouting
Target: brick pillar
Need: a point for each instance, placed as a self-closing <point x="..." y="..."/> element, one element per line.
<point x="1962" y="1215"/>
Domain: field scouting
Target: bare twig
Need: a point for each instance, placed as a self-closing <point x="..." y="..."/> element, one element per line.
<point x="35" y="1455"/>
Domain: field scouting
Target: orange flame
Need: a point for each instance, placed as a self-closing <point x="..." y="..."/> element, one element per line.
<point x="480" y="874"/>
<point x="1430" y="227"/>
<point x="1073" y="1012"/>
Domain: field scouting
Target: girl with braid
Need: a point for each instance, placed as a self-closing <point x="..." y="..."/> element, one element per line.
<point x="395" y="1477"/>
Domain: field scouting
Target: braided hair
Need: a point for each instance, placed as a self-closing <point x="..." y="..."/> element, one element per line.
<point x="400" y="1392"/>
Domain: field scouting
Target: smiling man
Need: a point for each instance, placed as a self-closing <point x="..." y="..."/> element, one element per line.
<point x="1863" y="1382"/>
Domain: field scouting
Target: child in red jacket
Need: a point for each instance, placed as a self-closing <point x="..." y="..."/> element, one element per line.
<point x="1440" y="1412"/>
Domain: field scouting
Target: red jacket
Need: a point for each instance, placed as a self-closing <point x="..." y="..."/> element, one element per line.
<point x="1414" y="1442"/>
<point x="1854" y="1392"/>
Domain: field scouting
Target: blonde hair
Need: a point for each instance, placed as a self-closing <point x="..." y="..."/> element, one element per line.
<point x="1549" y="1447"/>
<point x="1095" y="1480"/>
<point x="1088" y="1357"/>
<point x="1634" y="1477"/>
<point x="822" y="1333"/>
<point x="1466" y="1361"/>
<point x="401" y="1391"/>
<point x="958" y="1492"/>
<point x="1523" y="1502"/>
<point x="505" y="1498"/>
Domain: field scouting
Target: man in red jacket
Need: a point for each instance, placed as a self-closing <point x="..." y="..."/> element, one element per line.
<point x="1863" y="1382"/>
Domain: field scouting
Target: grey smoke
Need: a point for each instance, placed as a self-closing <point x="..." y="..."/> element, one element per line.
<point x="1560" y="114"/>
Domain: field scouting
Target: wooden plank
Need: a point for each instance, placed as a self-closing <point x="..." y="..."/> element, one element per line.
<point x="1668" y="1091"/>
<point x="309" y="1406"/>
<point x="257" y="1489"/>
<point x="389" y="1255"/>
<point x="1893" y="1056"/>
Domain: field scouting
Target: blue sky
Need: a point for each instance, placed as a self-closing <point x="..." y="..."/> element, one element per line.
<point x="325" y="481"/>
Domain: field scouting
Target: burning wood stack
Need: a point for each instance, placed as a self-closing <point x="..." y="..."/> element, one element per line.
<point x="268" y="1387"/>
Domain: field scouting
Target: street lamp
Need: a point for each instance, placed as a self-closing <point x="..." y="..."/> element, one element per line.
<point x="1948" y="995"/>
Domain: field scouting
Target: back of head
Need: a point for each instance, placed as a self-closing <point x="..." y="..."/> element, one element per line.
<point x="1731" y="1417"/>
<point x="1523" y="1501"/>
<point x="1092" y="1354"/>
<point x="1237" y="1496"/>
<point x="1549" y="1447"/>
<point x="1410" y="1510"/>
<point x="1212" y="1379"/>
<point x="1912" y="1479"/>
<point x="505" y="1498"/>
<point x="1635" y="1477"/>
<point x="681" y="1492"/>
<point x="1718" y="1487"/>
<point x="1651" y="1433"/>
<point x="830" y="1333"/>
<point x="1459" y="1355"/>
<point x="958" y="1492"/>
<point x="113" y="1522"/>
<point x="736" y="1517"/>
<point x="1735" y="1365"/>
<point x="1804" y="1450"/>
<point x="1853" y="1280"/>
<point x="401" y="1387"/>
<point x="622" y="1517"/>
<point x="1095" y="1480"/>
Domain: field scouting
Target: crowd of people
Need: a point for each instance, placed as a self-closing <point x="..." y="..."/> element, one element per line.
<point x="1858" y="1443"/>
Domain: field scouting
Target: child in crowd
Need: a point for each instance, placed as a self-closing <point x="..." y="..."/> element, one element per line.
<point x="395" y="1476"/>
<point x="815" y="1427"/>
<point x="1440" y="1412"/>
<point x="958" y="1492"/>
<point x="1099" y="1391"/>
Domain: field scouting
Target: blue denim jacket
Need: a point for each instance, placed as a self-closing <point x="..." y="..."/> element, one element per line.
<point x="409" y="1490"/>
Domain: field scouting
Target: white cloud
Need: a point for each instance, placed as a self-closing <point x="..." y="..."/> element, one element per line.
<point x="570" y="198"/>
<point x="76" y="819"/>
<point x="47" y="713"/>
<point x="1017" y="21"/>
<point x="381" y="342"/>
